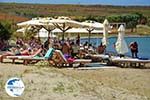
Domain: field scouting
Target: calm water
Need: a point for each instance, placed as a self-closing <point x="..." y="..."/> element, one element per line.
<point x="143" y="43"/>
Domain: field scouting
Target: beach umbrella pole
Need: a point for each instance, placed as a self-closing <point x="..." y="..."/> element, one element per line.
<point x="63" y="36"/>
<point x="89" y="37"/>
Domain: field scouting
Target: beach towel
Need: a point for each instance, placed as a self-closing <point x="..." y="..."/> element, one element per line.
<point x="143" y="58"/>
<point x="49" y="53"/>
<point x="70" y="60"/>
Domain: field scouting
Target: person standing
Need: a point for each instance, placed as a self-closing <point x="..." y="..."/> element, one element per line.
<point x="134" y="49"/>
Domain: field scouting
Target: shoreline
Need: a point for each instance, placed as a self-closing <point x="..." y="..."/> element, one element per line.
<point x="111" y="36"/>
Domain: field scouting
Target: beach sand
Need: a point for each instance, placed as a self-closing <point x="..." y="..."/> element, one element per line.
<point x="49" y="83"/>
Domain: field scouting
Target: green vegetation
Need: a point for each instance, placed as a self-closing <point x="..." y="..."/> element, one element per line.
<point x="131" y="15"/>
<point x="143" y="29"/>
<point x="6" y="30"/>
<point x="148" y="21"/>
<point x="33" y="10"/>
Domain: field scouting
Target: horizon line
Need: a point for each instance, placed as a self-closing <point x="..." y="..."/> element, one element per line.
<point x="91" y="4"/>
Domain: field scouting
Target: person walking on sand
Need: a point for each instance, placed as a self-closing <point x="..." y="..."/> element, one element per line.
<point x="134" y="49"/>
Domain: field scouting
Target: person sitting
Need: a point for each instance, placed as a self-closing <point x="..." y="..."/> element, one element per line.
<point x="90" y="49"/>
<point x="74" y="49"/>
<point x="46" y="43"/>
<point x="85" y="46"/>
<point x="134" y="49"/>
<point x="101" y="48"/>
<point x="78" y="40"/>
<point x="66" y="48"/>
<point x="13" y="52"/>
<point x="19" y="42"/>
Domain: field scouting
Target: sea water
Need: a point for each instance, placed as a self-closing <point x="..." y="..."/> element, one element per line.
<point x="143" y="44"/>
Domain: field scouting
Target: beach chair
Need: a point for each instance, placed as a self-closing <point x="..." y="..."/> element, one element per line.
<point x="14" y="57"/>
<point x="99" y="57"/>
<point x="129" y="62"/>
<point x="28" y="59"/>
<point x="103" y="57"/>
<point x="60" y="60"/>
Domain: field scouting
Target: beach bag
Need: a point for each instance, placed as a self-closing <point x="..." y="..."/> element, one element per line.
<point x="70" y="60"/>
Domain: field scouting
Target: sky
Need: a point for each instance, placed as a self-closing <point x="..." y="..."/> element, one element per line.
<point x="105" y="2"/>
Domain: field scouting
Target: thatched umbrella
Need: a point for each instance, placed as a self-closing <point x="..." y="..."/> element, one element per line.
<point x="91" y="26"/>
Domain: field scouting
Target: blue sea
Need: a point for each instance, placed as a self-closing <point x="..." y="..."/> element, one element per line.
<point x="143" y="44"/>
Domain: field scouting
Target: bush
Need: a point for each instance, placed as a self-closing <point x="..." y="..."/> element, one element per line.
<point x="148" y="21"/>
<point x="5" y="30"/>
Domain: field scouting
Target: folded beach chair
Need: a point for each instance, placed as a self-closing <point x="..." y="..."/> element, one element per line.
<point x="129" y="62"/>
<point x="60" y="60"/>
<point x="28" y="59"/>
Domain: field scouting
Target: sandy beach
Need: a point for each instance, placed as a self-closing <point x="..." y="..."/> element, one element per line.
<point x="103" y="44"/>
<point x="49" y="83"/>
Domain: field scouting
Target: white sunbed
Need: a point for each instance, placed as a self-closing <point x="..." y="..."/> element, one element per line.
<point x="31" y="57"/>
<point x="126" y="62"/>
<point x="17" y="57"/>
<point x="100" y="58"/>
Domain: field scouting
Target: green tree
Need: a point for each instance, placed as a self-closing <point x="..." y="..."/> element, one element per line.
<point x="100" y="19"/>
<point x="148" y="21"/>
<point x="31" y="32"/>
<point x="131" y="25"/>
<point x="90" y="18"/>
<point x="131" y="20"/>
<point x="5" y="30"/>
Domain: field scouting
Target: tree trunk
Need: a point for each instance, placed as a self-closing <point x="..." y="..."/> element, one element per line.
<point x="132" y="29"/>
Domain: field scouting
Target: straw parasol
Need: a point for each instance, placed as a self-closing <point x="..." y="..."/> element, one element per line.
<point x="35" y="24"/>
<point x="64" y="24"/>
<point x="77" y="30"/>
<point x="44" y="33"/>
<point x="91" y="26"/>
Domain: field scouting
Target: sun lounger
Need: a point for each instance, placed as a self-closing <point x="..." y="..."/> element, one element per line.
<point x="99" y="57"/>
<point x="14" y="57"/>
<point x="48" y="57"/>
<point x="17" y="57"/>
<point x="27" y="59"/>
<point x="60" y="60"/>
<point x="129" y="62"/>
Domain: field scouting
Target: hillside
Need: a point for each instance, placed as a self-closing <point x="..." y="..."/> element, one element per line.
<point x="13" y="18"/>
<point x="34" y="10"/>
